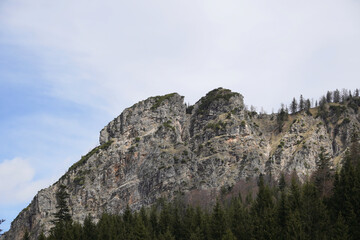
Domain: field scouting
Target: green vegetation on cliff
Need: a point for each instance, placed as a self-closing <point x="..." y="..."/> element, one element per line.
<point x="214" y="95"/>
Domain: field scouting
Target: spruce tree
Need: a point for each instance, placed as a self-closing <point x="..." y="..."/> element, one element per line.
<point x="63" y="212"/>
<point x="263" y="212"/>
<point x="218" y="222"/>
<point x="228" y="235"/>
<point x="283" y="216"/>
<point x="294" y="106"/>
<point x="62" y="221"/>
<point x="281" y="117"/>
<point x="89" y="228"/>
<point x="322" y="175"/>
<point x="197" y="234"/>
<point x="301" y="103"/>
<point x="313" y="213"/>
<point x="336" y="96"/>
<point x="340" y="230"/>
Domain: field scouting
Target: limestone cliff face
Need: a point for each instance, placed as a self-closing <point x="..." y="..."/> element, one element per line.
<point x="162" y="148"/>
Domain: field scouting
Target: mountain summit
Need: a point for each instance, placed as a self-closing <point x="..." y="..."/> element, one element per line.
<point x="162" y="148"/>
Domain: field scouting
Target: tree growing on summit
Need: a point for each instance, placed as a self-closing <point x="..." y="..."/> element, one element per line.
<point x="329" y="97"/>
<point x="307" y="105"/>
<point x="293" y="106"/>
<point x="301" y="103"/>
<point x="336" y="96"/>
<point x="282" y="116"/>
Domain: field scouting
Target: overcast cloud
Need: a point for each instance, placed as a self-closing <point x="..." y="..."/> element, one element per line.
<point x="68" y="67"/>
<point x="105" y="52"/>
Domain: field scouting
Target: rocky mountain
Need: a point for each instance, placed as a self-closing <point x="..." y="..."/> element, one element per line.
<point x="160" y="147"/>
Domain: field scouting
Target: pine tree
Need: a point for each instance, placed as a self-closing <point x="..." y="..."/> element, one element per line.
<point x="294" y="196"/>
<point x="356" y="94"/>
<point x="89" y="229"/>
<point x="329" y="97"/>
<point x="228" y="235"/>
<point x="154" y="222"/>
<point x="167" y="235"/>
<point x="281" y="117"/>
<point x="307" y="106"/>
<point x="283" y="215"/>
<point x="340" y="230"/>
<point x="62" y="221"/>
<point x="63" y="212"/>
<point x="336" y="96"/>
<point x="197" y="234"/>
<point x="263" y="213"/>
<point x="218" y="222"/>
<point x="301" y="103"/>
<point x="282" y="182"/>
<point x="164" y="219"/>
<point x="140" y="232"/>
<point x="294" y="106"/>
<point x="322" y="175"/>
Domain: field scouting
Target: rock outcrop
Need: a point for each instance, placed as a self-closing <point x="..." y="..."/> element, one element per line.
<point x="160" y="147"/>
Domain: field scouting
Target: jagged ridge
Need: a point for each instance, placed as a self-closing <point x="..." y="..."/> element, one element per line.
<point x="160" y="148"/>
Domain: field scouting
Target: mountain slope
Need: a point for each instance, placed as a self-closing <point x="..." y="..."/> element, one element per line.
<point x="159" y="147"/>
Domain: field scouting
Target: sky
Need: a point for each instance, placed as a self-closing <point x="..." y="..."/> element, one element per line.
<point x="68" y="67"/>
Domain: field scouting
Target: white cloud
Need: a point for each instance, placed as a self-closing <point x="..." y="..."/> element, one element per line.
<point x="17" y="181"/>
<point x="111" y="53"/>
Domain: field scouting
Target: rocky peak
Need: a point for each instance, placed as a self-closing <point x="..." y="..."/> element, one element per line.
<point x="145" y="117"/>
<point x="160" y="147"/>
<point x="217" y="102"/>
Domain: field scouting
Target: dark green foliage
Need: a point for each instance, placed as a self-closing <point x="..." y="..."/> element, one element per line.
<point x="160" y="99"/>
<point x="301" y="103"/>
<point x="294" y="106"/>
<point x="336" y="97"/>
<point x="282" y="117"/>
<point x="354" y="103"/>
<point x="218" y="222"/>
<point x="89" y="229"/>
<point x="346" y="198"/>
<point x="189" y="109"/>
<point x="337" y="110"/>
<point x="63" y="212"/>
<point x="323" y="176"/>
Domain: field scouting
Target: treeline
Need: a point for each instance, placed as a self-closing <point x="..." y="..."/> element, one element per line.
<point x="344" y="97"/>
<point x="327" y="206"/>
<point x="303" y="104"/>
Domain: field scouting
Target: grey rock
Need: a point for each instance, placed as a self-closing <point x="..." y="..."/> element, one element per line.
<point x="160" y="148"/>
